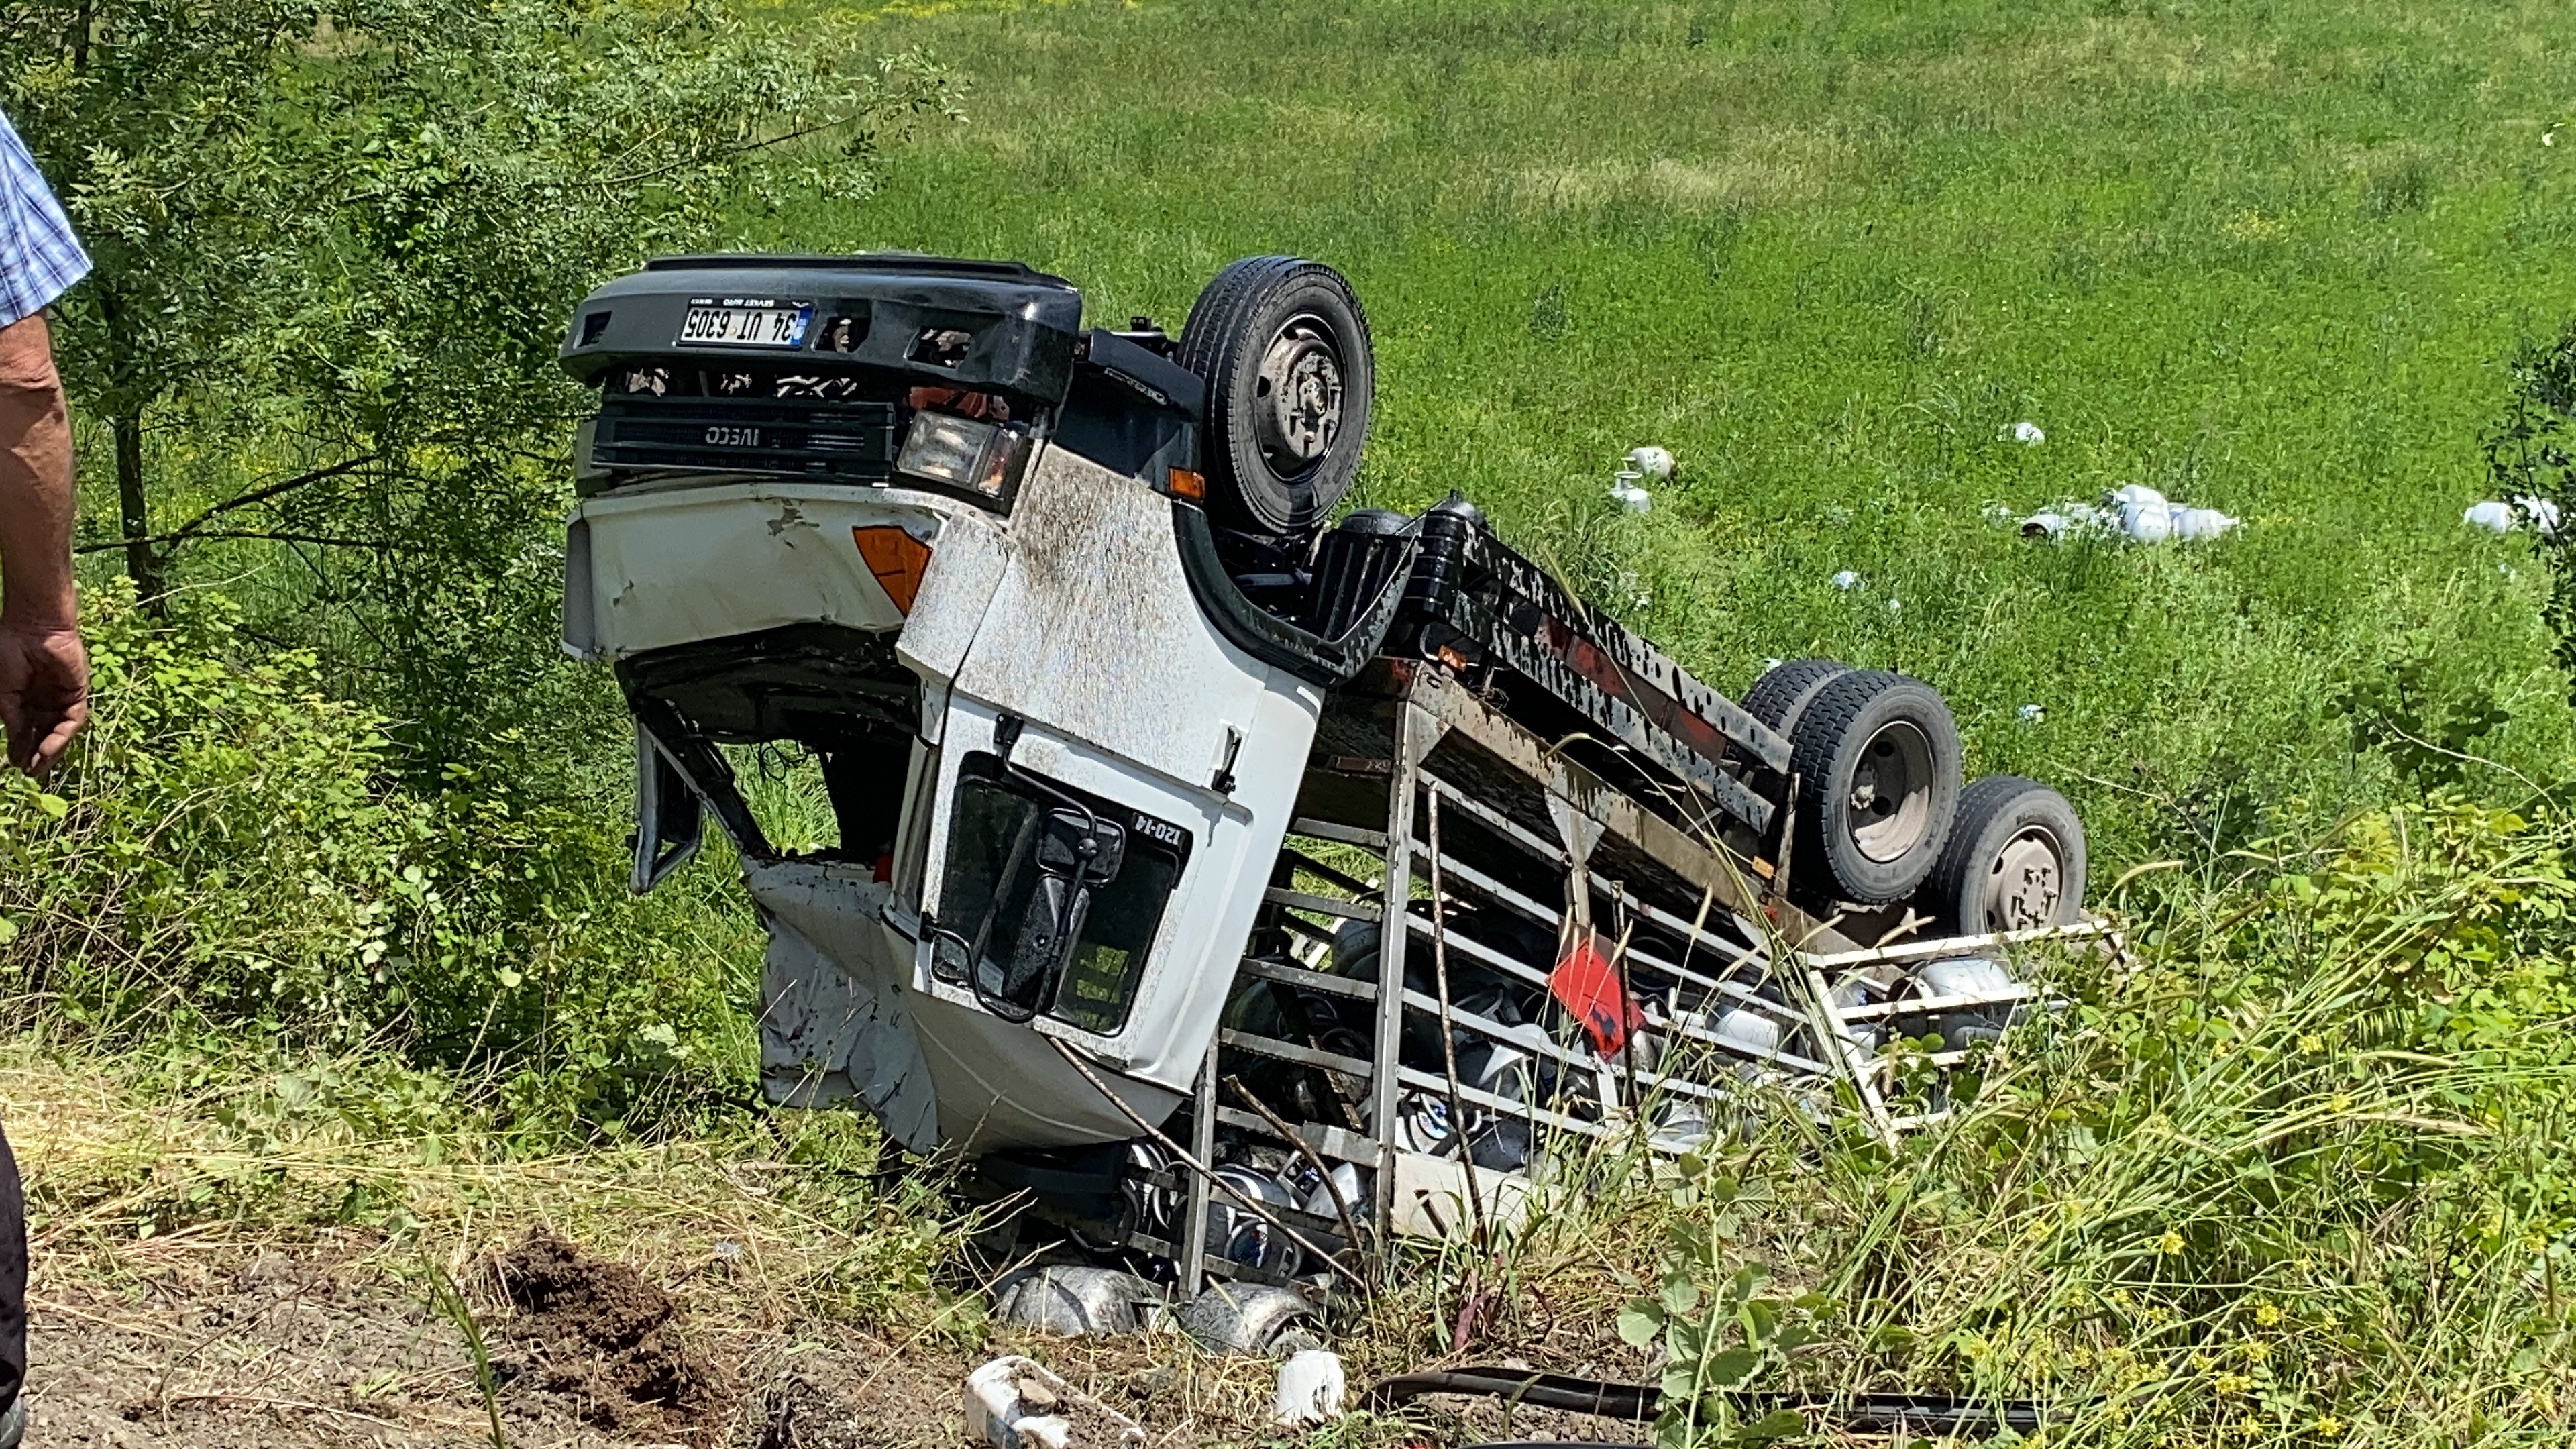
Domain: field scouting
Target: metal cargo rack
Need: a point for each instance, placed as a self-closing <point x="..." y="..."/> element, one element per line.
<point x="1420" y="791"/>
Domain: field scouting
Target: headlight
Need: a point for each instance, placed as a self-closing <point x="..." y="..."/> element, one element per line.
<point x="959" y="452"/>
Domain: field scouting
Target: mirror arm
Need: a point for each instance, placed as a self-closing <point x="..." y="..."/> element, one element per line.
<point x="1006" y="737"/>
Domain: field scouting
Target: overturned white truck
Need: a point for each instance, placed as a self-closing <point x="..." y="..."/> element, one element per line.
<point x="1225" y="882"/>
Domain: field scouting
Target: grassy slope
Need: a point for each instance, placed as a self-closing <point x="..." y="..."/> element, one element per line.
<point x="2264" y="258"/>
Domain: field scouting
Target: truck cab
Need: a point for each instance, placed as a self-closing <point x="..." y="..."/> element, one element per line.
<point x="910" y="516"/>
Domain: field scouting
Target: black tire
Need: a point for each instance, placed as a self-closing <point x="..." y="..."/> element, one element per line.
<point x="1877" y="759"/>
<point x="1284" y="349"/>
<point x="1781" y="694"/>
<point x="2015" y="861"/>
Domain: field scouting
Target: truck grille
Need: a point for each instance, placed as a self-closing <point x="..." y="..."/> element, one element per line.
<point x="853" y="440"/>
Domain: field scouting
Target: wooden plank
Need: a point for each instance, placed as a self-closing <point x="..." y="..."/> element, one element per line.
<point x="1954" y="945"/>
<point x="1927" y="1005"/>
<point x="1484" y="885"/>
<point x="1679" y="1026"/>
<point x="1325" y="873"/>
<point x="1416" y="732"/>
<point x="1539" y="846"/>
<point x="1695" y="864"/>
<point x="1194" y="1211"/>
<point x="1531" y="1039"/>
<point x="1300" y="926"/>
<point x="1336" y="1142"/>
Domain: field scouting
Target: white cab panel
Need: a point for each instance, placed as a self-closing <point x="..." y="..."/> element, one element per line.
<point x="681" y="563"/>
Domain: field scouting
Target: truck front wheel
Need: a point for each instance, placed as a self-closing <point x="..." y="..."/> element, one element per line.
<point x="1284" y="349"/>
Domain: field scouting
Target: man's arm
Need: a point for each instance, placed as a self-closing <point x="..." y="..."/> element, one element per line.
<point x="44" y="671"/>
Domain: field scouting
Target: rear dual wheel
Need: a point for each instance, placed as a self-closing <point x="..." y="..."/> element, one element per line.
<point x="2015" y="861"/>
<point x="1881" y="815"/>
<point x="1876" y="755"/>
<point x="1781" y="694"/>
<point x="1877" y="760"/>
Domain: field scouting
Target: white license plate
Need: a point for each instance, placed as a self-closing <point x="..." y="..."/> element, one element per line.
<point x="781" y="327"/>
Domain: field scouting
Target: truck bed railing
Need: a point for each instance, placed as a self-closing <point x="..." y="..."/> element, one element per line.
<point x="1737" y="993"/>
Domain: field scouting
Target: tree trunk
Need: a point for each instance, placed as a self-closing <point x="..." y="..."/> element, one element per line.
<point x="142" y="560"/>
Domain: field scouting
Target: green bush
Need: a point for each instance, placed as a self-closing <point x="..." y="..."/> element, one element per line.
<point x="229" y="850"/>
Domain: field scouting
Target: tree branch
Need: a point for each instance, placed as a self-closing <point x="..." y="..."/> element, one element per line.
<point x="174" y="538"/>
<point x="637" y="178"/>
<point x="192" y="527"/>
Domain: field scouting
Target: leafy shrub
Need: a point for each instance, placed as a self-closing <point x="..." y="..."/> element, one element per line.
<point x="2531" y="454"/>
<point x="2428" y="726"/>
<point x="229" y="850"/>
<point x="337" y="247"/>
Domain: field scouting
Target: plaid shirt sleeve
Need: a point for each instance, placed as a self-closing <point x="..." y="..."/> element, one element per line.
<point x="40" y="259"/>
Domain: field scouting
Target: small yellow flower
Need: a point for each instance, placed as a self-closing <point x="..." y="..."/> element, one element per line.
<point x="2340" y="1103"/>
<point x="2257" y="1351"/>
<point x="2267" y="1314"/>
<point x="2311" y="1043"/>
<point x="2170" y="1244"/>
<point x="2329" y="1427"/>
<point x="2202" y="1363"/>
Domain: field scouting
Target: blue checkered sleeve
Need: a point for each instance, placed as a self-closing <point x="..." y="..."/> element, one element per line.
<point x="40" y="259"/>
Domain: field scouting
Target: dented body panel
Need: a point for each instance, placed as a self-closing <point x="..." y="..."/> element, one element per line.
<point x="699" y="560"/>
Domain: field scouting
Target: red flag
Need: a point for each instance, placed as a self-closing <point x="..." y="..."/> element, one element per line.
<point x="1589" y="986"/>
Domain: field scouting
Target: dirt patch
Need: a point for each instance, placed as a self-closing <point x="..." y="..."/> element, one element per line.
<point x="194" y="1344"/>
<point x="798" y="1413"/>
<point x="597" y="1331"/>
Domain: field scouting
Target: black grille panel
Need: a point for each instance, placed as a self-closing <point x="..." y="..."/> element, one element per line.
<point x="855" y="440"/>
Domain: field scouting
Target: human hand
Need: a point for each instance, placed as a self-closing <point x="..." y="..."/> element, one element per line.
<point x="44" y="692"/>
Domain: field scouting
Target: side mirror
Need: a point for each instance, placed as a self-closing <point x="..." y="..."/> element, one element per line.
<point x="1077" y="853"/>
<point x="669" y="821"/>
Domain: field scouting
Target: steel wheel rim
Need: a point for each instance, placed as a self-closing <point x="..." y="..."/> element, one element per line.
<point x="1888" y="813"/>
<point x="2027" y="881"/>
<point x="1298" y="395"/>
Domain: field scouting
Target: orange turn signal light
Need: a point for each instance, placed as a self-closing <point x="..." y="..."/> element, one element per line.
<point x="897" y="559"/>
<point x="1189" y="485"/>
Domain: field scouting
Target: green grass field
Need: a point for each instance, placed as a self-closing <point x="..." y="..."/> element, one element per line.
<point x="2264" y="258"/>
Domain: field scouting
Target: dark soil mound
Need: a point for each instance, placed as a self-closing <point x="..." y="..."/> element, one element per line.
<point x="604" y="1335"/>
